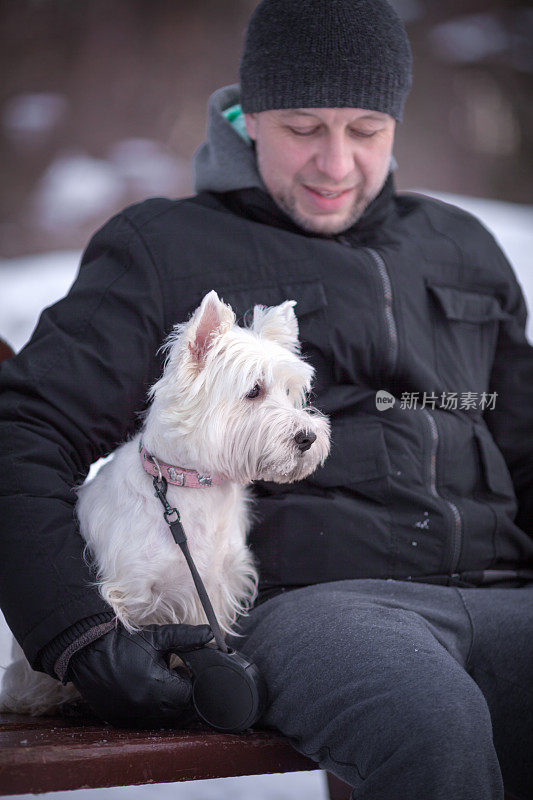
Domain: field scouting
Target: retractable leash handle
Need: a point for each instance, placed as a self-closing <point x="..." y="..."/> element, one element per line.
<point x="229" y="693"/>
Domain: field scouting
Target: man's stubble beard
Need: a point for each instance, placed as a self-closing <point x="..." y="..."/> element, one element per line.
<point x="289" y="206"/>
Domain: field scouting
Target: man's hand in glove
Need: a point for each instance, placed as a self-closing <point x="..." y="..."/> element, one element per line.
<point x="126" y="680"/>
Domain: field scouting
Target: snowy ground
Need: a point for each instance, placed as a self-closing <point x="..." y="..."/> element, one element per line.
<point x="29" y="284"/>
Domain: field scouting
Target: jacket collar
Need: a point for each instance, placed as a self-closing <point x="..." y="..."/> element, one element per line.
<point x="259" y="206"/>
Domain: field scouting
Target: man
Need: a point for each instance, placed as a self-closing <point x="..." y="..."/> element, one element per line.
<point x="394" y="621"/>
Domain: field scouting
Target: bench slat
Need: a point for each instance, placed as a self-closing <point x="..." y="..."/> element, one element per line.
<point x="43" y="754"/>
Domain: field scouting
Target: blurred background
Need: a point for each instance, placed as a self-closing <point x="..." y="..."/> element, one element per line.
<point x="103" y="103"/>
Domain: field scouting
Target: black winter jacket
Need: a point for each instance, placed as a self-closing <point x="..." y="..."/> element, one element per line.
<point x="416" y="297"/>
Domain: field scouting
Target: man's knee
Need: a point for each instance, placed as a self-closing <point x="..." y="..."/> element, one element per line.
<point x="424" y="739"/>
<point x="444" y="716"/>
<point x="427" y="735"/>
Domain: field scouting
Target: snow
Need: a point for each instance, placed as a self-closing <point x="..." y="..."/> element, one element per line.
<point x="33" y="114"/>
<point x="75" y="188"/>
<point x="286" y="786"/>
<point x="31" y="283"/>
<point x="148" y="168"/>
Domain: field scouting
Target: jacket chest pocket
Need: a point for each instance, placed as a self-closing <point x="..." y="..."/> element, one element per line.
<point x="310" y="310"/>
<point x="465" y="334"/>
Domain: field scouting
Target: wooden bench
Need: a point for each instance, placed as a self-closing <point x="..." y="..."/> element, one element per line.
<point x="45" y="754"/>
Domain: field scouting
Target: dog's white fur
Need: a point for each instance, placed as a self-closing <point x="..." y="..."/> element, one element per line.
<point x="200" y="417"/>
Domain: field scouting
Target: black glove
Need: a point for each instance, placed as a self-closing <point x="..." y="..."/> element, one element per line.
<point x="126" y="680"/>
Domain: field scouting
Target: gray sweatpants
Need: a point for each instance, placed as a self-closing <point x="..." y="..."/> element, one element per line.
<point x="406" y="691"/>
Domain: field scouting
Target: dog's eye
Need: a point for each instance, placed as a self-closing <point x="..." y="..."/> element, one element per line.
<point x="255" y="392"/>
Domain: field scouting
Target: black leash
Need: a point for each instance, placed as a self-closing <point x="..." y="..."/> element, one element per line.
<point x="178" y="534"/>
<point x="228" y="691"/>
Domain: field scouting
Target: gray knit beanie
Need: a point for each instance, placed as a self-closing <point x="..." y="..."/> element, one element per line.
<point x="325" y="54"/>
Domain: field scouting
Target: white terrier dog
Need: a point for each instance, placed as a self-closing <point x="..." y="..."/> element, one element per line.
<point x="230" y="408"/>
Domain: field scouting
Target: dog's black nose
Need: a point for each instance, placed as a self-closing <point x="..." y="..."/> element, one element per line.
<point x="304" y="440"/>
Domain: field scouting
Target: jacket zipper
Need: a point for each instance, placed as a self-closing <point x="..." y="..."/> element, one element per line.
<point x="457" y="522"/>
<point x="392" y="357"/>
<point x="392" y="349"/>
<point x="389" y="316"/>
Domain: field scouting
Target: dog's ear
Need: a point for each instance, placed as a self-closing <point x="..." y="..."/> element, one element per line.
<point x="211" y="319"/>
<point x="278" y="323"/>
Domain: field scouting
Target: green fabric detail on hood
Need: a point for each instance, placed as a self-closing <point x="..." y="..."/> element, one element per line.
<point x="226" y="160"/>
<point x="235" y="116"/>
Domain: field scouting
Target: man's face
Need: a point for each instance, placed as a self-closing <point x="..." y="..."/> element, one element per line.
<point x="322" y="166"/>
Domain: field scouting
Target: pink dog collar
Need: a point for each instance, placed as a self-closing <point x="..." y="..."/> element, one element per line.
<point x="178" y="476"/>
